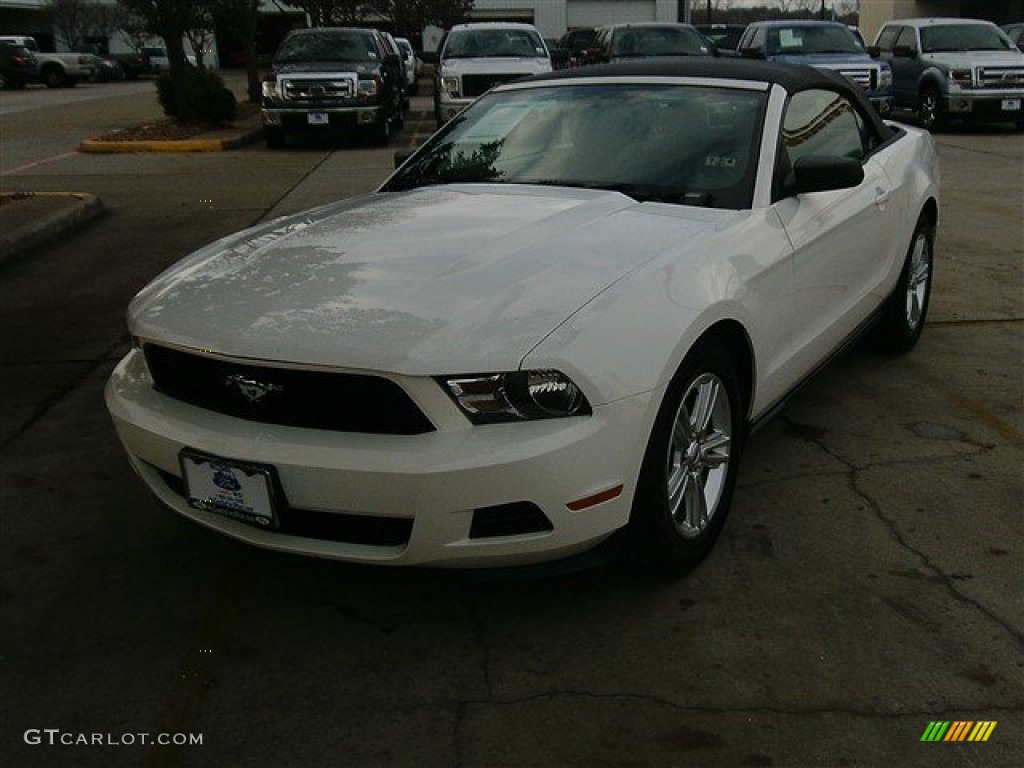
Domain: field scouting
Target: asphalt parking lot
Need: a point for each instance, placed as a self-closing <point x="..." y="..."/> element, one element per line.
<point x="869" y="581"/>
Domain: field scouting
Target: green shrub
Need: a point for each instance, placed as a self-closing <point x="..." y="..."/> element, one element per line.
<point x="208" y="100"/>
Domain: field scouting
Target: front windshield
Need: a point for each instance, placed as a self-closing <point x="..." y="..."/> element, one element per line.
<point x="326" y="46"/>
<point x="657" y="41"/>
<point x="494" y="43"/>
<point x="667" y="143"/>
<point x="797" y="41"/>
<point x="964" y="37"/>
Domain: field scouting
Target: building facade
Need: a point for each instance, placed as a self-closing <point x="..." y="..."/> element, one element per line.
<point x="874" y="13"/>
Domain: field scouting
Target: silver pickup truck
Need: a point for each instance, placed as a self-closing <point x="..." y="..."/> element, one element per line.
<point x="57" y="70"/>
<point x="954" y="68"/>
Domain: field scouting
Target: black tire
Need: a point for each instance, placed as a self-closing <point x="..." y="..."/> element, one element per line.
<point x="382" y="131"/>
<point x="929" y="109"/>
<point x="695" y="448"/>
<point x="274" y="137"/>
<point x="53" y="77"/>
<point x="906" y="309"/>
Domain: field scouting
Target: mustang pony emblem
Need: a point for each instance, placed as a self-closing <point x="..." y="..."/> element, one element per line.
<point x="251" y="390"/>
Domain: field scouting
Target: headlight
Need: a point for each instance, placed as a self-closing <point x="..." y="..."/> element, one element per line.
<point x="369" y="87"/>
<point x="961" y="77"/>
<point x="885" y="78"/>
<point x="516" y="396"/>
<point x="270" y="89"/>
<point x="450" y="85"/>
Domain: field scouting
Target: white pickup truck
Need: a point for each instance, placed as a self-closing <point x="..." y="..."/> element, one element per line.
<point x="57" y="70"/>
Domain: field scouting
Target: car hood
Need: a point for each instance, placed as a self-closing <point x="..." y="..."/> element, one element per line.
<point x="307" y="67"/>
<point x="495" y="65"/>
<point x="831" y="60"/>
<point x="454" y="279"/>
<point x="968" y="59"/>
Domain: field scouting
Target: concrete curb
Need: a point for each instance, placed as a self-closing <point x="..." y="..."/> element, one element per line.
<point x="77" y="210"/>
<point x="239" y="139"/>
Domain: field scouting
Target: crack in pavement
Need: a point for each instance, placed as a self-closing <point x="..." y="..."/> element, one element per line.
<point x="947" y="580"/>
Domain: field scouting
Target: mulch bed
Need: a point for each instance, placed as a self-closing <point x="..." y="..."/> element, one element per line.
<point x="172" y="130"/>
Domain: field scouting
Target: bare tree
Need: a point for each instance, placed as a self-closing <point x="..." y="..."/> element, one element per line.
<point x="70" y="20"/>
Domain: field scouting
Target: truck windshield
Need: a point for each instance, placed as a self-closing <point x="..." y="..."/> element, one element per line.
<point x="494" y="43"/>
<point x="964" y="37"/>
<point x="326" y="47"/>
<point x="787" y="41"/>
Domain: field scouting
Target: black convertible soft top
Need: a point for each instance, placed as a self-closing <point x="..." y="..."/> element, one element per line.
<point x="791" y="77"/>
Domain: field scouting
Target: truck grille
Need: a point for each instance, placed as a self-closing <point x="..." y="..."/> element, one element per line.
<point x="478" y="85"/>
<point x="865" y="77"/>
<point x="341" y="402"/>
<point x="1000" y="77"/>
<point x="314" y="88"/>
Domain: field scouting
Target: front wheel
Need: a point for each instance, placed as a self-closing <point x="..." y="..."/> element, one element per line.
<point x="929" y="109"/>
<point x="689" y="469"/>
<point x="273" y="136"/>
<point x="904" y="315"/>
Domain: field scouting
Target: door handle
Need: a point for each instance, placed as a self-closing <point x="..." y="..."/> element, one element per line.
<point x="881" y="197"/>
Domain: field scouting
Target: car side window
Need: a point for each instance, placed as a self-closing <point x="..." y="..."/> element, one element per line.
<point x="907" y="39"/>
<point x="821" y="122"/>
<point x="887" y="39"/>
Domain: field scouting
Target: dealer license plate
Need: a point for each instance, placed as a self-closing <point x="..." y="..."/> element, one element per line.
<point x="230" y="488"/>
<point x="1011" y="105"/>
<point x="318" y="118"/>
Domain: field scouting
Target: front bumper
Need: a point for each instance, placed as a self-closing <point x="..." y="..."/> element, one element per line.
<point x="298" y="119"/>
<point x="991" y="104"/>
<point x="441" y="483"/>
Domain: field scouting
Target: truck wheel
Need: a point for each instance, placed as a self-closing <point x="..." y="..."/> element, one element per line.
<point x="53" y="77"/>
<point x="929" y="109"/>
<point x="382" y="132"/>
<point x="274" y="137"/>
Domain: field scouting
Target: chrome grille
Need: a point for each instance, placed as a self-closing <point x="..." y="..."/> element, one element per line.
<point x="865" y="77"/>
<point x="1000" y="77"/>
<point x="318" y="88"/>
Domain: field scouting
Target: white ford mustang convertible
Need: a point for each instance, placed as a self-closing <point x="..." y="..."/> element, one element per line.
<point x="555" y="324"/>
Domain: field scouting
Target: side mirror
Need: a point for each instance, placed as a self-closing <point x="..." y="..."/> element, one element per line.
<point x="751" y="53"/>
<point x="874" y="51"/>
<point x="823" y="173"/>
<point x="428" y="57"/>
<point x="904" y="52"/>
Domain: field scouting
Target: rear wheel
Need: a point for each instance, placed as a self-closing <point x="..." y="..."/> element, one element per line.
<point x="689" y="468"/>
<point x="905" y="312"/>
<point x="929" y="109"/>
<point x="53" y="77"/>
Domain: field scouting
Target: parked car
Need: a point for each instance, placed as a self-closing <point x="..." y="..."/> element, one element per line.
<point x="134" y="64"/>
<point x="619" y="42"/>
<point x="576" y="43"/>
<point x="56" y="70"/>
<point x="946" y="68"/>
<point x="822" y="44"/>
<point x="475" y="57"/>
<point x="413" y="66"/>
<point x="158" y="61"/>
<point x="107" y="69"/>
<point x="393" y="52"/>
<point x="553" y="326"/>
<point x="1016" y="34"/>
<point x="333" y="81"/>
<point x="723" y="37"/>
<point x="18" y="66"/>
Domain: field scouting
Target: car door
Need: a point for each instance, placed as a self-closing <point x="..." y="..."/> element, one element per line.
<point x="841" y="239"/>
<point x="906" y="67"/>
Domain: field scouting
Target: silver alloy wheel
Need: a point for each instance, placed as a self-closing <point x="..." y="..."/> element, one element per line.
<point x="698" y="454"/>
<point x="928" y="111"/>
<point x="918" y="277"/>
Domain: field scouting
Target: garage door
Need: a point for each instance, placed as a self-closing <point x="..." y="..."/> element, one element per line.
<point x="594" y="13"/>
